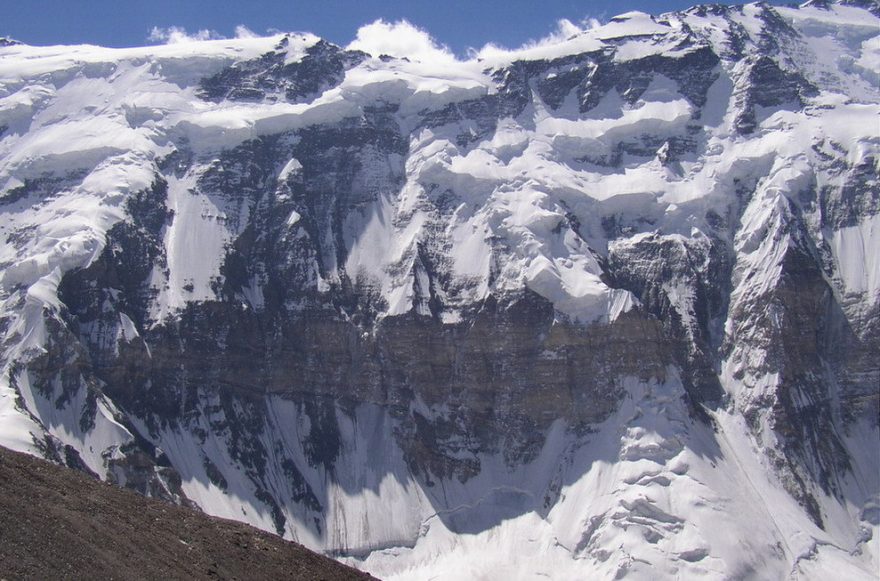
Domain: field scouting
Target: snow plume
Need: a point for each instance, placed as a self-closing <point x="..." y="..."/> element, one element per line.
<point x="178" y="34"/>
<point x="400" y="39"/>
<point x="565" y="30"/>
<point x="242" y="31"/>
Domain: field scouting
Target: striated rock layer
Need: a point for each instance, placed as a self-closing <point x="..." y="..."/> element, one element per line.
<point x="605" y="306"/>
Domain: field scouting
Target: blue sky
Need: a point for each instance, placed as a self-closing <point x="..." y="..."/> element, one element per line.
<point x="457" y="23"/>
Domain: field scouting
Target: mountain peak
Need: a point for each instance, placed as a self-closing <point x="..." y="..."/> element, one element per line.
<point x="571" y="302"/>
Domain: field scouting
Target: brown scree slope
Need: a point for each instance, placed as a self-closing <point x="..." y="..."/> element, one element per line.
<point x="56" y="523"/>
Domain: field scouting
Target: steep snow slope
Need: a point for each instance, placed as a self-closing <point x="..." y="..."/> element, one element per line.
<point x="607" y="305"/>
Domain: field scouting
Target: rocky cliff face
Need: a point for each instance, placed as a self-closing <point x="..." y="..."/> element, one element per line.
<point x="553" y="310"/>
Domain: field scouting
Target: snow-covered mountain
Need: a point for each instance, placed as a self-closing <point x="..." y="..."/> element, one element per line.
<point x="604" y="306"/>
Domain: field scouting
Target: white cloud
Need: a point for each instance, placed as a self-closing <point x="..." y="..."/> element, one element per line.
<point x="399" y="39"/>
<point x="177" y="34"/>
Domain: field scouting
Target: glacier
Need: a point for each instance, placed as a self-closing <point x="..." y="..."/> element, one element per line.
<point x="603" y="306"/>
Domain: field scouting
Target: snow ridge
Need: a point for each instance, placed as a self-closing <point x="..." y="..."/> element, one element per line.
<point x="287" y="282"/>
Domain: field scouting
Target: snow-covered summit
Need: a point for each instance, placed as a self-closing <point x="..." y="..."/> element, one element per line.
<point x="550" y="310"/>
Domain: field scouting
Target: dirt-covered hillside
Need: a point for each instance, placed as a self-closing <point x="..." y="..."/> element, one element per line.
<point x="59" y="524"/>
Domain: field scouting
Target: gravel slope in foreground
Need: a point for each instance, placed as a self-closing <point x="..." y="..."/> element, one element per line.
<point x="56" y="523"/>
